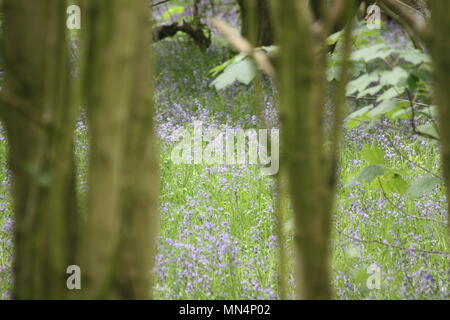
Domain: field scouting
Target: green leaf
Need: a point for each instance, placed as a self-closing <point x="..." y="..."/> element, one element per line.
<point x="413" y="81"/>
<point x="373" y="154"/>
<point x="352" y="124"/>
<point x="358" y="117"/>
<point x="415" y="57"/>
<point x="402" y="110"/>
<point x="243" y="71"/>
<point x="433" y="111"/>
<point x="369" y="91"/>
<point x="429" y="129"/>
<point x="394" y="184"/>
<point x="390" y="94"/>
<point x="361" y="83"/>
<point x="423" y="184"/>
<point x="334" y="38"/>
<point x="386" y="52"/>
<point x="369" y="53"/>
<point x="394" y="77"/>
<point x="218" y="69"/>
<point x="368" y="174"/>
<point x="333" y="72"/>
<point x="384" y="107"/>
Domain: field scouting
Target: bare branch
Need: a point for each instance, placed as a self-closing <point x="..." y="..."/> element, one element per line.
<point x="202" y="40"/>
<point x="159" y="3"/>
<point x="408" y="16"/>
<point x="242" y="45"/>
<point x="386" y="244"/>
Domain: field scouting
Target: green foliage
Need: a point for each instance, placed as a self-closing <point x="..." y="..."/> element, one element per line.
<point x="172" y="11"/>
<point x="429" y="129"/>
<point x="240" y="68"/>
<point x="377" y="173"/>
<point x="388" y="81"/>
<point x="373" y="154"/>
<point x="394" y="183"/>
<point x="422" y="185"/>
<point x="368" y="174"/>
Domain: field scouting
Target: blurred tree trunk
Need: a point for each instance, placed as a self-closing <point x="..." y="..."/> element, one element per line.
<point x="39" y="119"/>
<point x="438" y="41"/>
<point x="256" y="23"/>
<point x="434" y="32"/>
<point x="120" y="231"/>
<point x="311" y="168"/>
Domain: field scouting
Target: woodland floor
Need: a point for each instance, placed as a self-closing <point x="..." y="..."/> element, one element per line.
<point x="217" y="238"/>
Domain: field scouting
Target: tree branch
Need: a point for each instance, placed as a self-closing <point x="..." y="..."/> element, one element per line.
<point x="197" y="34"/>
<point x="159" y="3"/>
<point x="242" y="45"/>
<point x="407" y="15"/>
<point x="386" y="244"/>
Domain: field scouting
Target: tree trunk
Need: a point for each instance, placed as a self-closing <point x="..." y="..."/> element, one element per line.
<point x="122" y="194"/>
<point x="140" y="179"/>
<point x="301" y="135"/>
<point x="39" y="119"/>
<point x="438" y="41"/>
<point x="310" y="169"/>
<point x="435" y="34"/>
<point x="256" y="23"/>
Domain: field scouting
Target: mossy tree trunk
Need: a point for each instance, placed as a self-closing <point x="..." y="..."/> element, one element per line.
<point x="114" y="245"/>
<point x="120" y="230"/>
<point x="39" y="119"/>
<point x="310" y="168"/>
<point x="438" y="41"/>
<point x="256" y="22"/>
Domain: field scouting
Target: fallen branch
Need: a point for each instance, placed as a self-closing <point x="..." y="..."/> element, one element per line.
<point x="165" y="31"/>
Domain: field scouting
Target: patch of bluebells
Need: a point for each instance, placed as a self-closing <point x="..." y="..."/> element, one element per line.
<point x="6" y="228"/>
<point x="217" y="238"/>
<point x="406" y="230"/>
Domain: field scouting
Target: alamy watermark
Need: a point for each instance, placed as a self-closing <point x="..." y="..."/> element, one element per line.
<point x="228" y="146"/>
<point x="73" y="21"/>
<point x="373" y="17"/>
<point x="73" y="281"/>
<point x="374" y="280"/>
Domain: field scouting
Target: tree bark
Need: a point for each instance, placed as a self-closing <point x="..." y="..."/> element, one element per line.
<point x="438" y="42"/>
<point x="39" y="119"/>
<point x="122" y="194"/>
<point x="197" y="34"/>
<point x="256" y="22"/>
<point x="301" y="136"/>
<point x="310" y="169"/>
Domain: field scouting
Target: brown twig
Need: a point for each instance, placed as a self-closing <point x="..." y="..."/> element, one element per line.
<point x="413" y="118"/>
<point x="408" y="16"/>
<point x="260" y="58"/>
<point x="386" y="197"/>
<point x="159" y="3"/>
<point x="379" y="242"/>
<point x="411" y="161"/>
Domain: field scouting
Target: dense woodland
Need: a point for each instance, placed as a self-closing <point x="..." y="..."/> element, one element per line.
<point x="322" y="169"/>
